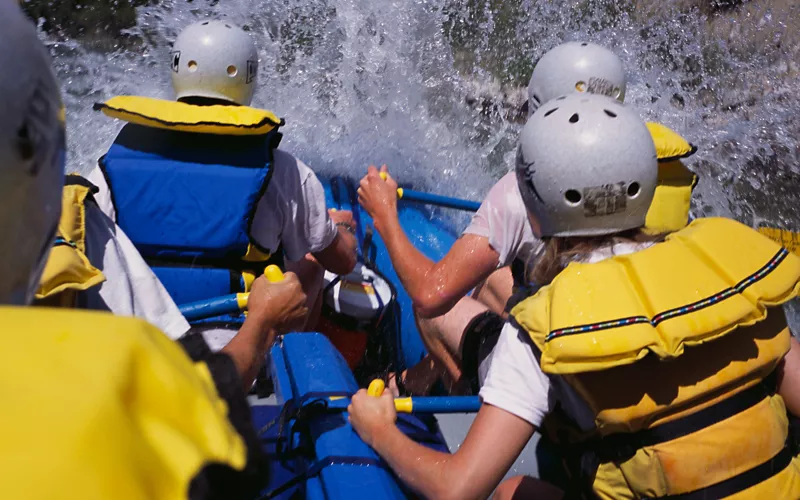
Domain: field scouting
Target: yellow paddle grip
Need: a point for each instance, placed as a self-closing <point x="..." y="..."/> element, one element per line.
<point x="376" y="387"/>
<point x="273" y="273"/>
<point x="384" y="175"/>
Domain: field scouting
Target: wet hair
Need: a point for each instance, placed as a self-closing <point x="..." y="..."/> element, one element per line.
<point x="558" y="251"/>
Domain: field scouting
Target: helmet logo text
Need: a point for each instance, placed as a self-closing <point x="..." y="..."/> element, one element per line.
<point x="252" y="71"/>
<point x="603" y="87"/>
<point x="176" y="60"/>
<point x="607" y="199"/>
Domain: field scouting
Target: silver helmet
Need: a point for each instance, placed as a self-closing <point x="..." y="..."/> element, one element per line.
<point x="576" y="67"/>
<point x="32" y="155"/>
<point x="586" y="165"/>
<point x="215" y="59"/>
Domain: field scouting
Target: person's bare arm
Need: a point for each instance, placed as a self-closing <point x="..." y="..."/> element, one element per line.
<point x="494" y="441"/>
<point x="272" y="307"/>
<point x="340" y="256"/>
<point x="789" y="382"/>
<point x="434" y="287"/>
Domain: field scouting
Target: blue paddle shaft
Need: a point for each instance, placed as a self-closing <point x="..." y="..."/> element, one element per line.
<point x="441" y="201"/>
<point x="226" y="304"/>
<point x="428" y="404"/>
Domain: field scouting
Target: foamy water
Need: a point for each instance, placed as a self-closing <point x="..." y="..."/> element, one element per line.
<point x="382" y="81"/>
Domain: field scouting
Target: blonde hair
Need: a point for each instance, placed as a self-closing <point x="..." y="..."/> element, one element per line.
<point x="558" y="252"/>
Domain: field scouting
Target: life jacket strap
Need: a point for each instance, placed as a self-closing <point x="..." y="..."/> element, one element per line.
<point x="622" y="446"/>
<point x="742" y="481"/>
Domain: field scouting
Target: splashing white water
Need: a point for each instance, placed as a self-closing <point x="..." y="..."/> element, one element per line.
<point x="368" y="82"/>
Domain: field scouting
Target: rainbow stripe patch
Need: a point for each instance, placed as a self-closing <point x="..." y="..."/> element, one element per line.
<point x="678" y="311"/>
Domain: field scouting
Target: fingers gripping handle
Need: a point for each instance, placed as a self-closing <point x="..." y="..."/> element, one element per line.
<point x="384" y="176"/>
<point x="376" y="388"/>
<point x="273" y="274"/>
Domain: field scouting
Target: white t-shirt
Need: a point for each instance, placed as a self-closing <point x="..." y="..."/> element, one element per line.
<point x="503" y="219"/>
<point x="131" y="288"/>
<point x="516" y="383"/>
<point x="291" y="212"/>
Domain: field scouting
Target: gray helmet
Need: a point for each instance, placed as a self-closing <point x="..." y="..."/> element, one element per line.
<point x="586" y="165"/>
<point x="576" y="66"/>
<point x="215" y="59"/>
<point x="32" y="154"/>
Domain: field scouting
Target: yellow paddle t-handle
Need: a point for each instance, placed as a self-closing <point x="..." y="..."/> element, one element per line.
<point x="402" y="405"/>
<point x="273" y="274"/>
<point x="384" y="175"/>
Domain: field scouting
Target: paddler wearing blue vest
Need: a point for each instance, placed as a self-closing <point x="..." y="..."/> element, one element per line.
<point x="201" y="187"/>
<point x="499" y="239"/>
<point x="98" y="406"/>
<point x="661" y="363"/>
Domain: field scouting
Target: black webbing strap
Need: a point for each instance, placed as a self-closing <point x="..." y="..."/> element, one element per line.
<point x="741" y="481"/>
<point x="622" y="446"/>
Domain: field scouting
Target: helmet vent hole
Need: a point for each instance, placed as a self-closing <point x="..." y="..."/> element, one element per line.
<point x="610" y="113"/>
<point x="574" y="118"/>
<point x="536" y="98"/>
<point x="551" y="112"/>
<point x="584" y="44"/>
<point x="572" y="196"/>
<point x="232" y="71"/>
<point x="633" y="189"/>
<point x="204" y="24"/>
<point x="228" y="26"/>
<point x="561" y="98"/>
<point x="26" y="150"/>
<point x="192" y="65"/>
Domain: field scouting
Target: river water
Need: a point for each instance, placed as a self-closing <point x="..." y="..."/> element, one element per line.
<point x="432" y="87"/>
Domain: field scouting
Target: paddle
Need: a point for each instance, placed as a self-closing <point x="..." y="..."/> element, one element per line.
<point x="435" y="199"/>
<point x="439" y="404"/>
<point x="788" y="239"/>
<point x="226" y="304"/>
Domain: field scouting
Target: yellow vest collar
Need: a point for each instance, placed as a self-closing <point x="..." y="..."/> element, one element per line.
<point x="700" y="284"/>
<point x="669" y="144"/>
<point x="174" y="115"/>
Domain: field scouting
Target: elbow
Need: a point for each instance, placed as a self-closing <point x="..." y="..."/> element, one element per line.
<point x="343" y="265"/>
<point x="428" y="305"/>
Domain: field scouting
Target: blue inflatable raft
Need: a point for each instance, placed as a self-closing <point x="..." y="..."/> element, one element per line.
<point x="314" y="452"/>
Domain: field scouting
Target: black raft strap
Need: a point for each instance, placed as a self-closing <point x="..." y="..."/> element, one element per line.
<point x="622" y="446"/>
<point x="742" y="481"/>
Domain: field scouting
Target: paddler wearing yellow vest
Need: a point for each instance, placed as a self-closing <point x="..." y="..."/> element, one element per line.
<point x="499" y="237"/>
<point x="662" y="364"/>
<point x="97" y="406"/>
<point x="93" y="265"/>
<point x="202" y="189"/>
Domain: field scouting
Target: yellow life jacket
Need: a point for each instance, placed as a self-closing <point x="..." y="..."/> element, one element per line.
<point x="97" y="406"/>
<point x="669" y="210"/>
<point x="673" y="349"/>
<point x="68" y="270"/>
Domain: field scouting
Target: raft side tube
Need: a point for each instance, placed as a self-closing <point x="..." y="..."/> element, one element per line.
<point x="306" y="367"/>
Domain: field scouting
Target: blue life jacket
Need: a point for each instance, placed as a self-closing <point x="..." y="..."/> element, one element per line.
<point x="187" y="202"/>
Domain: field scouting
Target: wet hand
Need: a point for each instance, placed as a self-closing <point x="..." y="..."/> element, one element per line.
<point x="371" y="416"/>
<point x="343" y="218"/>
<point x="377" y="196"/>
<point x="280" y="305"/>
